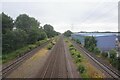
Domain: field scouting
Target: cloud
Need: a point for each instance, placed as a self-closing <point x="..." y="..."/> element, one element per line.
<point x="62" y="14"/>
<point x="59" y="0"/>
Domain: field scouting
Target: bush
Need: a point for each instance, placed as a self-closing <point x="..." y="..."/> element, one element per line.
<point x="105" y="54"/>
<point x="38" y="43"/>
<point x="20" y="52"/>
<point x="96" y="50"/>
<point x="72" y="48"/>
<point x="66" y="41"/>
<point x="78" y="41"/>
<point x="112" y="54"/>
<point x="73" y="52"/>
<point x="78" y="60"/>
<point x="31" y="46"/>
<point x="53" y="43"/>
<point x="71" y="45"/>
<point x="78" y="55"/>
<point x="49" y="46"/>
<point x="81" y="68"/>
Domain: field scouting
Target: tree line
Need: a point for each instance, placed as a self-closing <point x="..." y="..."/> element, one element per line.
<point x="67" y="33"/>
<point x="22" y="31"/>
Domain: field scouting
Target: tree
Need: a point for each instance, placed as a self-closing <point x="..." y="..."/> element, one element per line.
<point x="34" y="22"/>
<point x="112" y="54"/>
<point x="96" y="50"/>
<point x="25" y="22"/>
<point x="7" y="23"/>
<point x="68" y="33"/>
<point x="27" y="31"/>
<point x="105" y="54"/>
<point x="13" y="40"/>
<point x="50" y="30"/>
<point x="90" y="44"/>
<point x="36" y="34"/>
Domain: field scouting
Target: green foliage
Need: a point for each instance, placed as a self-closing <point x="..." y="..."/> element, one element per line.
<point x="31" y="46"/>
<point x="78" y="60"/>
<point x="24" y="31"/>
<point x="13" y="40"/>
<point x="38" y="43"/>
<point x="96" y="50"/>
<point x="50" y="30"/>
<point x="115" y="61"/>
<point x="34" y="22"/>
<point x="7" y="23"/>
<point x="112" y="54"/>
<point x="90" y="44"/>
<point x="35" y="34"/>
<point x="78" y="55"/>
<point x="68" y="33"/>
<point x="81" y="68"/>
<point x="25" y="22"/>
<point x="21" y="51"/>
<point x="49" y="46"/>
<point x="73" y="52"/>
<point x="105" y="54"/>
<point x="78" y="41"/>
<point x="71" y="46"/>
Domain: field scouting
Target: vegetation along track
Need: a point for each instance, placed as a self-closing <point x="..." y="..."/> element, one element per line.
<point x="55" y="66"/>
<point x="106" y="68"/>
<point x="7" y="69"/>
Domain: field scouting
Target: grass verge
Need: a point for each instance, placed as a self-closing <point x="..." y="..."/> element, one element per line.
<point x="85" y="68"/>
<point x="20" y="52"/>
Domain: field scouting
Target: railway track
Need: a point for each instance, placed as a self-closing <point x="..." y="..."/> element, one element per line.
<point x="7" y="69"/>
<point x="112" y="73"/>
<point x="55" y="66"/>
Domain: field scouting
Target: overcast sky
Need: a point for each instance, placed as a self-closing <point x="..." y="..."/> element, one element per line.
<point x="75" y="15"/>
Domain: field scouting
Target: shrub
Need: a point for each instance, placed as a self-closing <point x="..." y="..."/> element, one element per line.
<point x="72" y="48"/>
<point x="96" y="50"/>
<point x="38" y="43"/>
<point x="53" y="43"/>
<point x="81" y="68"/>
<point x="112" y="54"/>
<point x="78" y="60"/>
<point x="66" y="41"/>
<point x="49" y="46"/>
<point x="78" y="41"/>
<point x="20" y="52"/>
<point x="105" y="54"/>
<point x="31" y="46"/>
<point x="78" y="55"/>
<point x="71" y="45"/>
<point x="72" y="52"/>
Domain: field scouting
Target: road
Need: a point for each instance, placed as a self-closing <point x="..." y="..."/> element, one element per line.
<point x="58" y="64"/>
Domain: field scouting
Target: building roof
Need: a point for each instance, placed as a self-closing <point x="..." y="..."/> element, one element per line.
<point x="95" y="34"/>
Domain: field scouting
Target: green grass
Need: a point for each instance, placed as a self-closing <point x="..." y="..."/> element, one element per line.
<point x="78" y="60"/>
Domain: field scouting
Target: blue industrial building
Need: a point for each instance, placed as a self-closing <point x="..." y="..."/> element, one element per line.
<point x="105" y="41"/>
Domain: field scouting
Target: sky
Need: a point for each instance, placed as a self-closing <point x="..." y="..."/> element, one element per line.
<point x="74" y="15"/>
